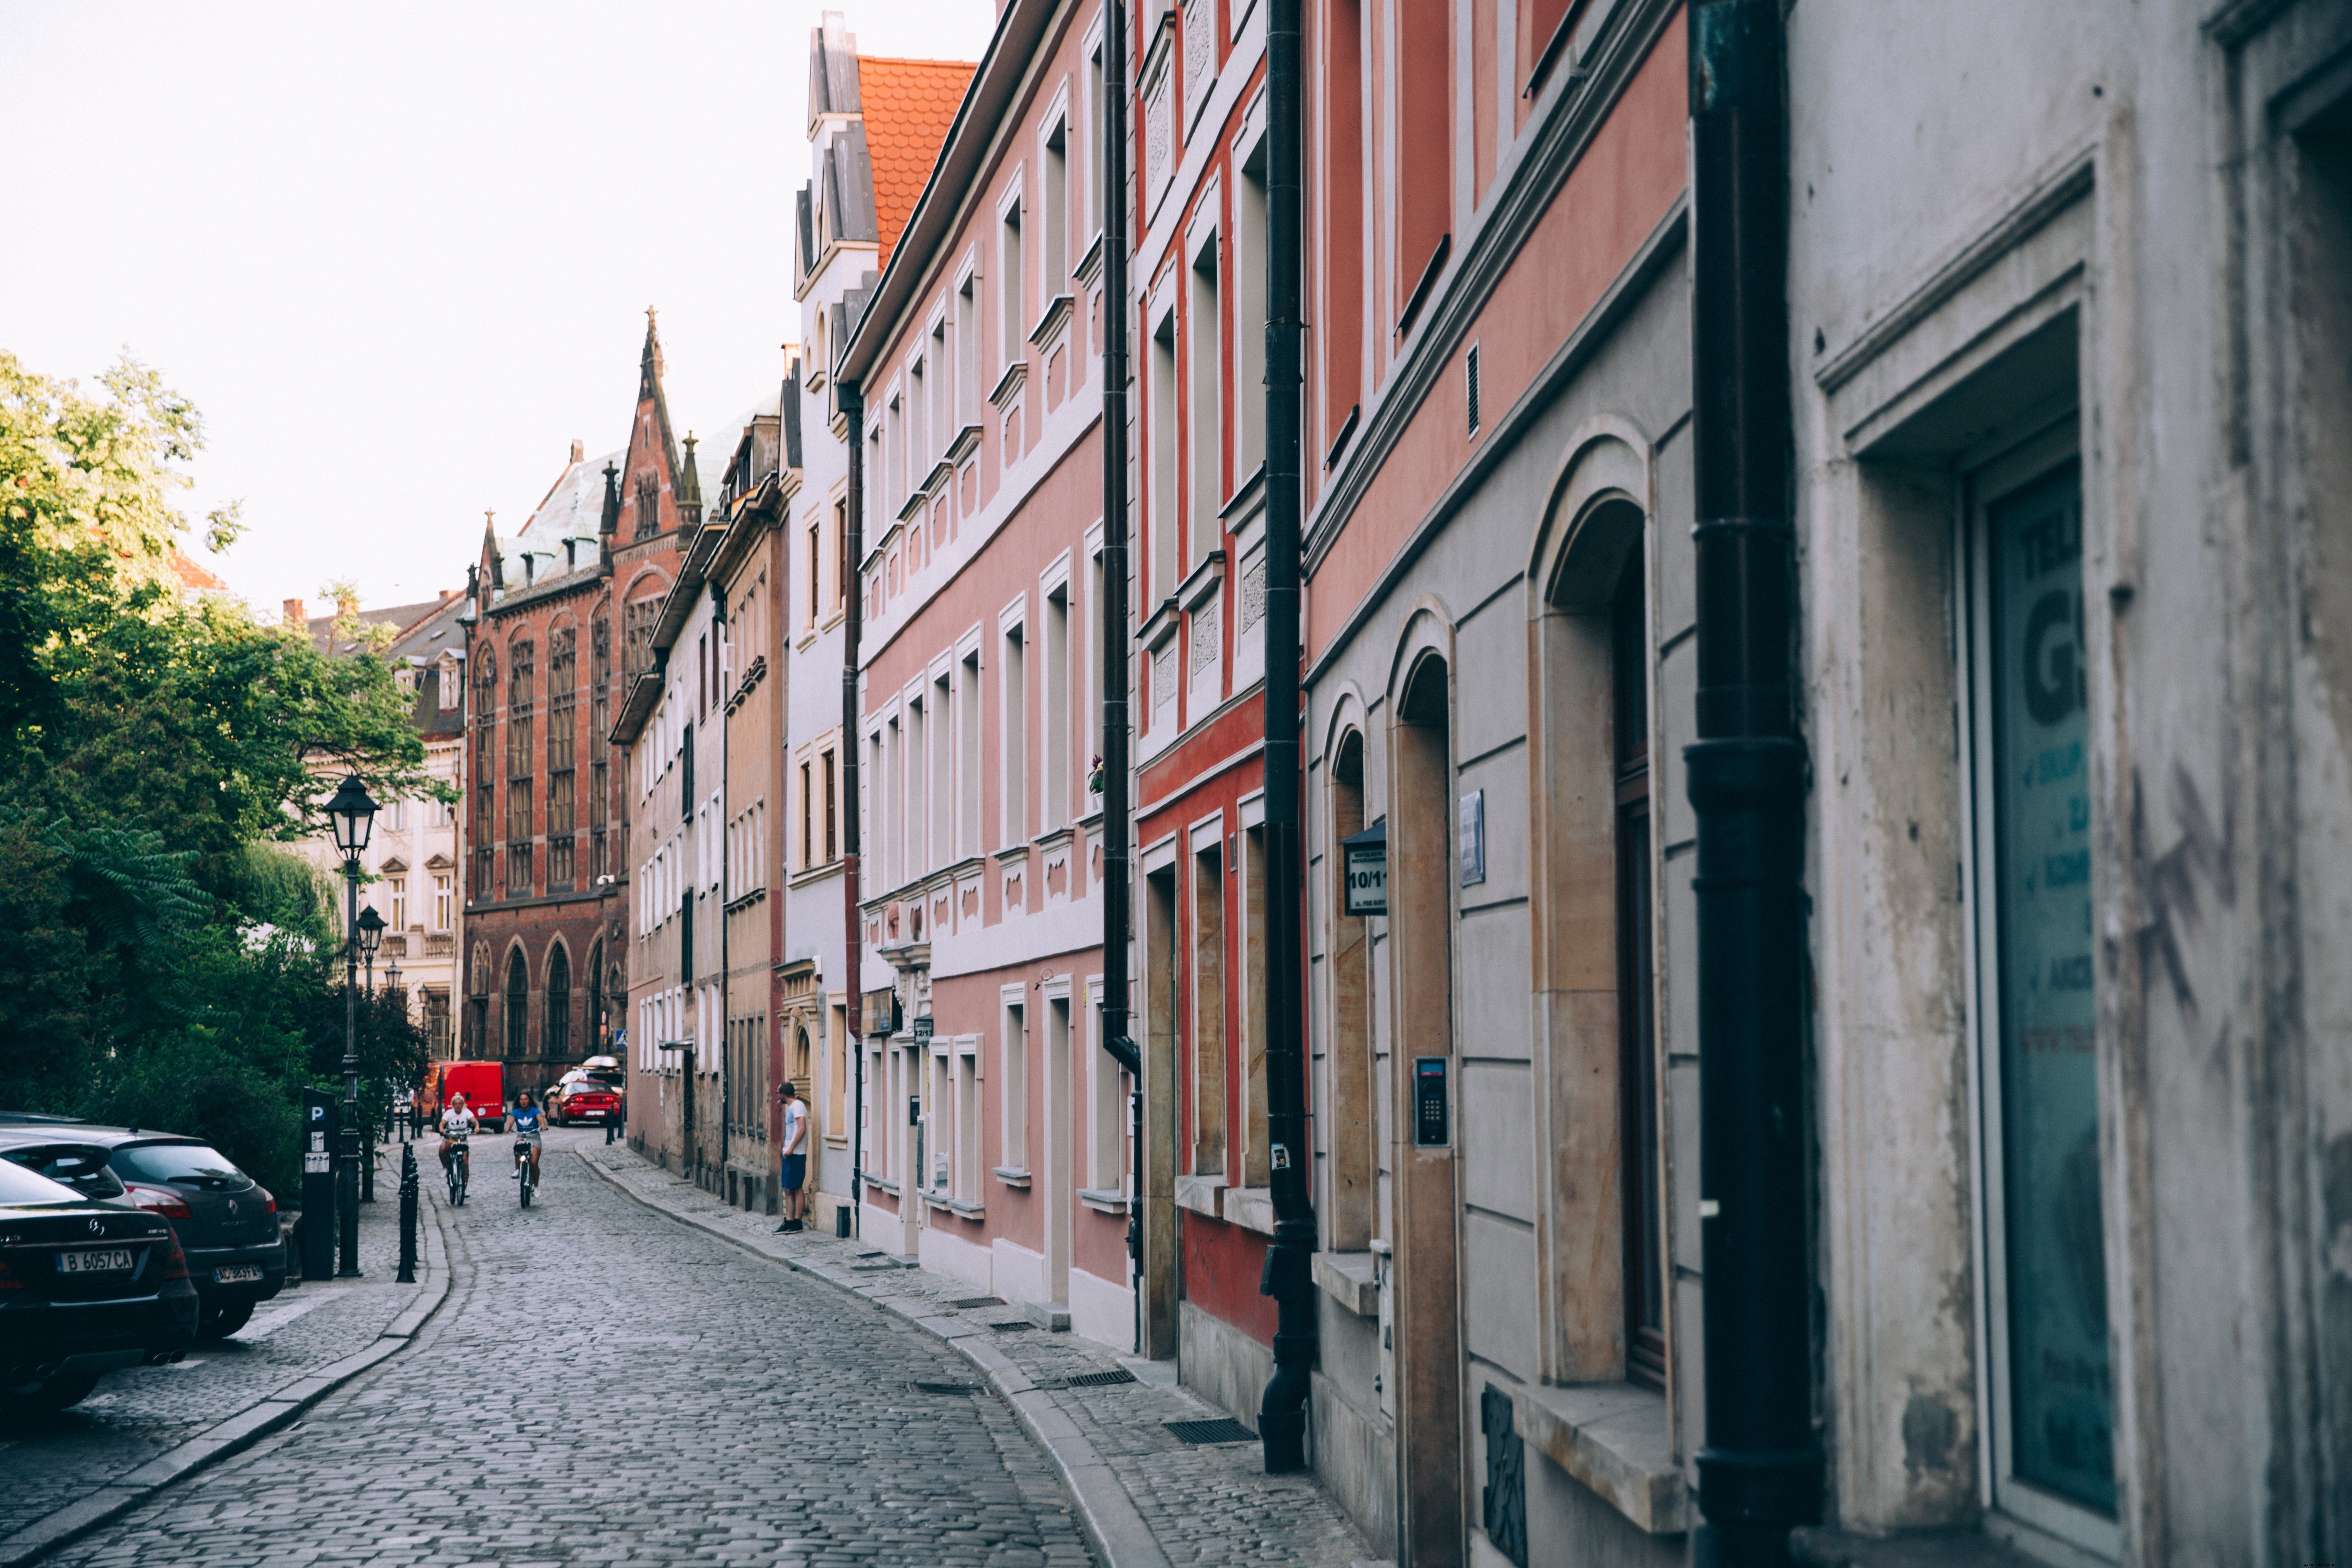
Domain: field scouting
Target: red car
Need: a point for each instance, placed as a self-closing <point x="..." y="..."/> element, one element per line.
<point x="589" y="1099"/>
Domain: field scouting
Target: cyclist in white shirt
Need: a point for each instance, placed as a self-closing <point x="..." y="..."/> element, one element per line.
<point x="457" y="1127"/>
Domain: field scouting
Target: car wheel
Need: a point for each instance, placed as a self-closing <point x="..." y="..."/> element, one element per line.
<point x="219" y="1322"/>
<point x="48" y="1393"/>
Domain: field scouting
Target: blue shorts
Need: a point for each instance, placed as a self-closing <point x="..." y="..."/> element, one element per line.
<point x="794" y="1172"/>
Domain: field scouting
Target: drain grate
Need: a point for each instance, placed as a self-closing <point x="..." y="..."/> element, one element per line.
<point x="1014" y="1327"/>
<point x="869" y="1255"/>
<point x="969" y="1303"/>
<point x="921" y="1387"/>
<point x="1116" y="1375"/>
<point x="871" y="1267"/>
<point x="1224" y="1429"/>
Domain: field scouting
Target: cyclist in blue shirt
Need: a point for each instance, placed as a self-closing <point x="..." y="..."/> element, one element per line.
<point x="528" y="1121"/>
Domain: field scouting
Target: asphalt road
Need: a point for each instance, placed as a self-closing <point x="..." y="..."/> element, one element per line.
<point x="606" y="1386"/>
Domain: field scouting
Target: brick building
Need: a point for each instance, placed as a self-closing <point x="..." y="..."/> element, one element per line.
<point x="560" y="607"/>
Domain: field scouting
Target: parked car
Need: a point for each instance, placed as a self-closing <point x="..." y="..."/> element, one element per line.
<point x="54" y="1153"/>
<point x="226" y="1220"/>
<point x="587" y="1100"/>
<point x="86" y="1285"/>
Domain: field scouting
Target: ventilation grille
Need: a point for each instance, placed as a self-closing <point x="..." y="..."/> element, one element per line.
<point x="1224" y="1429"/>
<point x="921" y="1387"/>
<point x="1014" y="1327"/>
<point x="1470" y="385"/>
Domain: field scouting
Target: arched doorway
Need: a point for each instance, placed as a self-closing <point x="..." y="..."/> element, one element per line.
<point x="518" y="1004"/>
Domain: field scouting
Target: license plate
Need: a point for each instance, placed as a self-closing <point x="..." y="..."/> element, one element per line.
<point x="236" y="1273"/>
<point x="95" y="1260"/>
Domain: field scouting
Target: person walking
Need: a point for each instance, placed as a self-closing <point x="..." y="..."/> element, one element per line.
<point x="793" y="1174"/>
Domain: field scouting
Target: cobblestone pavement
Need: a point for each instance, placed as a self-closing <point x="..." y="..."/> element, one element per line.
<point x="139" y="1413"/>
<point x="1212" y="1504"/>
<point x="608" y="1386"/>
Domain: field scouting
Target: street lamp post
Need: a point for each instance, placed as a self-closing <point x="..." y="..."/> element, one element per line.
<point x="352" y="814"/>
<point x="371" y="934"/>
<point x="392" y="984"/>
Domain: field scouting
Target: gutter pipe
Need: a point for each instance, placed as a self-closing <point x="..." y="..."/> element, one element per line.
<point x="1760" y="1471"/>
<point x="1288" y="1278"/>
<point x="853" y="411"/>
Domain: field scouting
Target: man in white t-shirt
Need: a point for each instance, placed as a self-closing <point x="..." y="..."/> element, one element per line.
<point x="793" y="1171"/>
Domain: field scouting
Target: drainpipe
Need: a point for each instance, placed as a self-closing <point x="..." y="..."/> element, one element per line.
<point x="1760" y="1471"/>
<point x="1282" y="1415"/>
<point x="726" y="1057"/>
<point x="1117" y="829"/>
<point x="852" y="410"/>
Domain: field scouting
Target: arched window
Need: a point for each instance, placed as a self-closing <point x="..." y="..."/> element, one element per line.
<point x="1353" y="1137"/>
<point x="1637" y="1072"/>
<point x="595" y="1019"/>
<point x="559" y="1002"/>
<point x="518" y="1004"/>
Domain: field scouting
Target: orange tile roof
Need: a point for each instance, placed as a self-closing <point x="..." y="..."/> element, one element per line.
<point x="194" y="576"/>
<point x="908" y="105"/>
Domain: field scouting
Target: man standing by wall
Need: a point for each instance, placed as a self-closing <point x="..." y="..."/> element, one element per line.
<point x="793" y="1174"/>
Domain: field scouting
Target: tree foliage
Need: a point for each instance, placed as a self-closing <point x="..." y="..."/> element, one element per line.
<point x="167" y="963"/>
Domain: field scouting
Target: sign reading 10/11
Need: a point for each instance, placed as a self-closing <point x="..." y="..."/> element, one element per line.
<point x="1364" y="862"/>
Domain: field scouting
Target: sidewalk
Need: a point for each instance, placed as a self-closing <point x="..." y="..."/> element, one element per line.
<point x="147" y="1427"/>
<point x="1147" y="1498"/>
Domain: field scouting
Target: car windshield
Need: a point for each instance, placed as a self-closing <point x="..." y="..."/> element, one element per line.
<point x="19" y="1186"/>
<point x="80" y="1166"/>
<point x="192" y="1164"/>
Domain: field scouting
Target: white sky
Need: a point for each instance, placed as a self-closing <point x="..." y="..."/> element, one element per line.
<point x="400" y="255"/>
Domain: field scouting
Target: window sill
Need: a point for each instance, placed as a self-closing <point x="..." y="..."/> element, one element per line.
<point x="1051" y="325"/>
<point x="955" y="1205"/>
<point x="813" y="874"/>
<point x="883" y="1184"/>
<point x="1349" y="1279"/>
<point x="1010" y="855"/>
<point x="1816" y="1547"/>
<point x="1008" y="385"/>
<point x="1198" y="1194"/>
<point x="1251" y="1208"/>
<point x="1612" y="1437"/>
<point x="1010" y="1175"/>
<point x="1104" y="1200"/>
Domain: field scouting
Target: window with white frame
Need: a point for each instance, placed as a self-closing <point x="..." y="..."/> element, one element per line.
<point x="1013" y="1089"/>
<point x="1055" y="728"/>
<point x="1014" y="731"/>
<point x="1054" y="260"/>
<point x="1249" y="312"/>
<point x="1204" y="400"/>
<point x="1107" y="1165"/>
<point x="967" y="755"/>
<point x="1166" y="529"/>
<point x="1011" y="318"/>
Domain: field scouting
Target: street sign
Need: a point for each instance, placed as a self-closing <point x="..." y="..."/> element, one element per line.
<point x="923" y="1030"/>
<point x="1364" y="862"/>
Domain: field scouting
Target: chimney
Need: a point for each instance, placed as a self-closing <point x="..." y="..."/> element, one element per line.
<point x="298" y="614"/>
<point x="572" y="549"/>
<point x="578" y="449"/>
<point x="447" y="594"/>
<point x="345" y="605"/>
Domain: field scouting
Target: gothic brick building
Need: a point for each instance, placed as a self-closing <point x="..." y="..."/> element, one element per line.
<point x="556" y="623"/>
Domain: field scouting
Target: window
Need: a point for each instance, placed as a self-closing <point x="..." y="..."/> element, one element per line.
<point x="941" y="709"/>
<point x="649" y="519"/>
<point x="1637" y="1068"/>
<point x="440" y="903"/>
<point x="967" y="353"/>
<point x="824" y="764"/>
<point x="1162" y="521"/>
<point x="1056" y="698"/>
<point x="562" y="723"/>
<point x="915" y="777"/>
<point x="1203" y="332"/>
<point x="638" y="632"/>
<point x="840" y="553"/>
<point x="1094" y="612"/>
<point x="1014" y="743"/>
<point x="2051" y="1380"/>
<point x="1055" y="261"/>
<point x="436" y="1020"/>
<point x="1352" y="1065"/>
<point x="1106" y="1119"/>
<point x="1013" y="323"/>
<point x="1249" y="315"/>
<point x="1208" y="1019"/>
<point x="968" y="757"/>
<point x="1425" y="134"/>
<point x="1014" y="1079"/>
<point x="808" y="816"/>
<point x="559" y="1002"/>
<point x="518" y="1005"/>
<point x="815" y="548"/>
<point x="396" y="888"/>
<point x="1097" y="120"/>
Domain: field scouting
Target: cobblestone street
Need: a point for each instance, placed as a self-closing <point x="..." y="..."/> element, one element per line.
<point x="605" y="1385"/>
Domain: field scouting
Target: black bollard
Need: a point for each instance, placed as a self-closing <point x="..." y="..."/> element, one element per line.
<point x="367" y="1168"/>
<point x="408" y="1213"/>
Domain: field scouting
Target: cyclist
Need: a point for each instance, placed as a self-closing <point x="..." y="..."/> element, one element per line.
<point x="527" y="1121"/>
<point x="457" y="1127"/>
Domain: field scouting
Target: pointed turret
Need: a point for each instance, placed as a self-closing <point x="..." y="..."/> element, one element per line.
<point x="609" y="524"/>
<point x="688" y="487"/>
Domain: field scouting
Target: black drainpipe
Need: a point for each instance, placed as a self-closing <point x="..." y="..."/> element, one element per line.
<point x="1282" y="1415"/>
<point x="1117" y="830"/>
<point x="1760" y="1471"/>
<point x="853" y="951"/>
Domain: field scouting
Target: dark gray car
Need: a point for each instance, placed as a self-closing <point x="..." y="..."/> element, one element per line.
<point x="227" y="1221"/>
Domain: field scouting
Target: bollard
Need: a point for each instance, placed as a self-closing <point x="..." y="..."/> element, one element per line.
<point x="408" y="1213"/>
<point x="367" y="1168"/>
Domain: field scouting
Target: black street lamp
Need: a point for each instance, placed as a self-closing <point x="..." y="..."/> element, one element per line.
<point x="352" y="814"/>
<point x="392" y="984"/>
<point x="371" y="930"/>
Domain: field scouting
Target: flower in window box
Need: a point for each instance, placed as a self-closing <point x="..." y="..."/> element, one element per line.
<point x="1095" y="776"/>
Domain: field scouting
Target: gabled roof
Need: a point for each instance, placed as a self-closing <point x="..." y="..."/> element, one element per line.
<point x="195" y="578"/>
<point x="908" y="105"/>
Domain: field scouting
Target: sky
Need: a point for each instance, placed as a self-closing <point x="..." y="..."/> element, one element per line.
<point x="400" y="255"/>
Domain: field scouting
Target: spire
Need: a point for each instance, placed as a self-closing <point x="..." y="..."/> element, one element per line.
<point x="689" y="486"/>
<point x="650" y="362"/>
<point x="609" y="523"/>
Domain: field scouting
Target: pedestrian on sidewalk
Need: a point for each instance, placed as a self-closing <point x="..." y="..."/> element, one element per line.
<point x="793" y="1174"/>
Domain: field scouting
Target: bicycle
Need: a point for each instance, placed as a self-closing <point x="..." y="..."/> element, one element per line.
<point x="458" y="1162"/>
<point x="526" y="1176"/>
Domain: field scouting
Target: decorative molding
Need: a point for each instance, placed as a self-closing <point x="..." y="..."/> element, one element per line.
<point x="1053" y="321"/>
<point x="1008" y="385"/>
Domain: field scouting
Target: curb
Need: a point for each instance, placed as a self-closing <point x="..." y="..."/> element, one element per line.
<point x="1115" y="1527"/>
<point x="236" y="1433"/>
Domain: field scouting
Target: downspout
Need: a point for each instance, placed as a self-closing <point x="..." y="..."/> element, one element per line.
<point x="1117" y="829"/>
<point x="1760" y="1471"/>
<point x="725" y="975"/>
<point x="853" y="411"/>
<point x="1282" y="1416"/>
